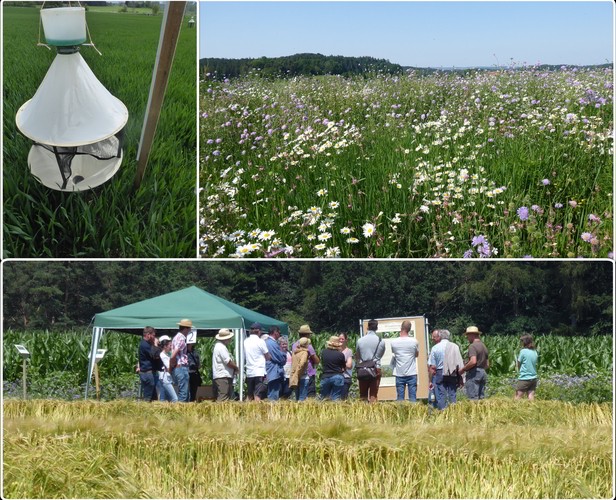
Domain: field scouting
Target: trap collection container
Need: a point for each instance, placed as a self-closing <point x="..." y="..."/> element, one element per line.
<point x="76" y="125"/>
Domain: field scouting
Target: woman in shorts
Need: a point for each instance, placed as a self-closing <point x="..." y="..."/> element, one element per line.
<point x="527" y="366"/>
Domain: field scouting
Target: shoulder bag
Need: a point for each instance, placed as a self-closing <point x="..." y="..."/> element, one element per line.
<point x="366" y="370"/>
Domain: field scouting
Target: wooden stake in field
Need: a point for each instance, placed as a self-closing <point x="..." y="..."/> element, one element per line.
<point x="23" y="377"/>
<point x="98" y="384"/>
<point x="170" y="30"/>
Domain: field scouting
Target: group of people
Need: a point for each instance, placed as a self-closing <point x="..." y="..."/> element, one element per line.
<point x="274" y="371"/>
<point x="167" y="364"/>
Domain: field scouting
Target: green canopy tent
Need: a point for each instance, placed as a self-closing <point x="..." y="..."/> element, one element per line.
<point x="207" y="312"/>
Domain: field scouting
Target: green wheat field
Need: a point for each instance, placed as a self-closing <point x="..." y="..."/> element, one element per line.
<point x="496" y="448"/>
<point x="113" y="220"/>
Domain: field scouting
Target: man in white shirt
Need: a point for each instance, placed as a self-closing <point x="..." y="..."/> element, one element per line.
<point x="256" y="354"/>
<point x="444" y="386"/>
<point x="223" y="366"/>
<point x="405" y="350"/>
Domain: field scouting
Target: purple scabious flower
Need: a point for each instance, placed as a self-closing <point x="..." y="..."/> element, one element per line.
<point x="558" y="205"/>
<point x="535" y="208"/>
<point x="528" y="257"/>
<point x="479" y="240"/>
<point x="586" y="236"/>
<point x="546" y="182"/>
<point x="523" y="213"/>
<point x="484" y="250"/>
<point x="468" y="254"/>
<point x="593" y="218"/>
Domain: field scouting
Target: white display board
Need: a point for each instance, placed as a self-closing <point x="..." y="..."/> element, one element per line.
<point x="389" y="328"/>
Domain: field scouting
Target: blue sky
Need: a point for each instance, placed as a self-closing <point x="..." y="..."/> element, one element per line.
<point x="437" y="33"/>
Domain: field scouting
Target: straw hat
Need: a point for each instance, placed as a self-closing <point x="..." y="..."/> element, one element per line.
<point x="185" y="323"/>
<point x="164" y="338"/>
<point x="224" y="334"/>
<point x="304" y="341"/>
<point x="473" y="329"/>
<point x="333" y="342"/>
<point x="304" y="329"/>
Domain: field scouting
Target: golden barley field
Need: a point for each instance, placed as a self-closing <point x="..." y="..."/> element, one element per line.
<point x="496" y="448"/>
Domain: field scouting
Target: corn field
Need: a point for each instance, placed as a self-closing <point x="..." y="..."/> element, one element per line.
<point x="68" y="351"/>
<point x="493" y="449"/>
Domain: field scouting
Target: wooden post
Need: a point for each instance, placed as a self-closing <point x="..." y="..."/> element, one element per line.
<point x="96" y="379"/>
<point x="170" y="31"/>
<point x="23" y="377"/>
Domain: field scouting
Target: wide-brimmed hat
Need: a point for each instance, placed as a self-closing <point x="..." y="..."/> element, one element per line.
<point x="334" y="343"/>
<point x="164" y="338"/>
<point x="473" y="329"/>
<point x="186" y="323"/>
<point x="305" y="329"/>
<point x="304" y="341"/>
<point x="224" y="334"/>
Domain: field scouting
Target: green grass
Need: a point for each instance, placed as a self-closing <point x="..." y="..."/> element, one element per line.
<point x="159" y="220"/>
<point x="408" y="166"/>
<point x="491" y="449"/>
<point x="113" y="9"/>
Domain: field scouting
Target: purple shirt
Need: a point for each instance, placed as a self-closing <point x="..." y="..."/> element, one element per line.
<point x="311" y="371"/>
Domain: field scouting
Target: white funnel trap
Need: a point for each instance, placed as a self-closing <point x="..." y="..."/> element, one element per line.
<point x="74" y="121"/>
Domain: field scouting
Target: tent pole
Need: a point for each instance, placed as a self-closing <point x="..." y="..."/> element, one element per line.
<point x="170" y="32"/>
<point x="241" y="363"/>
<point x="97" y="331"/>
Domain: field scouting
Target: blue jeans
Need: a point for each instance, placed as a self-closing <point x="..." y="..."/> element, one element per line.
<point x="332" y="387"/>
<point x="180" y="378"/>
<point x="285" y="390"/>
<point x="409" y="381"/>
<point x="273" y="389"/>
<point x="444" y="389"/>
<point x="346" y="388"/>
<point x="301" y="391"/>
<point x="167" y="392"/>
<point x="148" y="385"/>
<point x="159" y="385"/>
<point x="475" y="384"/>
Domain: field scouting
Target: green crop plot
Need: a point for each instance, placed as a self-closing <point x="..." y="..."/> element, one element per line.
<point x="158" y="220"/>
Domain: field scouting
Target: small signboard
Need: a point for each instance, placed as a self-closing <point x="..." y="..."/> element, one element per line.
<point x="191" y="338"/>
<point x="100" y="354"/>
<point x="23" y="352"/>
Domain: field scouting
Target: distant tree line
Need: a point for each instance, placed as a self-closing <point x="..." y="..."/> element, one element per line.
<point x="296" y="65"/>
<point x="565" y="298"/>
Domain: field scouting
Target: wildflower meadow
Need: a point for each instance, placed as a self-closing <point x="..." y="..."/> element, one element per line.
<point x="509" y="163"/>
